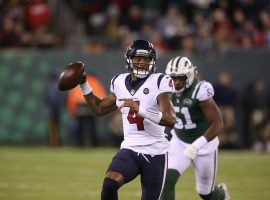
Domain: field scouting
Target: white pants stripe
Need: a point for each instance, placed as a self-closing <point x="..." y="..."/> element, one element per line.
<point x="164" y="174"/>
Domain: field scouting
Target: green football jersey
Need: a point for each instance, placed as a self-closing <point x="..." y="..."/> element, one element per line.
<point x="191" y="122"/>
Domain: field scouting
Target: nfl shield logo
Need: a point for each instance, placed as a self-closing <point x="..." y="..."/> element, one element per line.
<point x="145" y="90"/>
<point x="187" y="102"/>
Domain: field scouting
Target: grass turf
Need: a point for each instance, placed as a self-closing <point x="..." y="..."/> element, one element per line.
<point x="33" y="173"/>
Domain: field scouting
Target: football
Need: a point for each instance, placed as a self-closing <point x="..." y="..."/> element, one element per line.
<point x="71" y="76"/>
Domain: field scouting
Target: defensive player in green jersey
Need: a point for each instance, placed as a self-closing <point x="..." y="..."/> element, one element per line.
<point x="194" y="136"/>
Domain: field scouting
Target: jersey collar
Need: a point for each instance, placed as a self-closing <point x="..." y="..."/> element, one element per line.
<point x="133" y="87"/>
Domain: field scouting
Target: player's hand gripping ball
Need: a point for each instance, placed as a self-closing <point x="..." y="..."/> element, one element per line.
<point x="71" y="76"/>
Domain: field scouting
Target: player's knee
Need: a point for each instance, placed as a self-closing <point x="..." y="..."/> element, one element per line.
<point x="171" y="177"/>
<point x="109" y="189"/>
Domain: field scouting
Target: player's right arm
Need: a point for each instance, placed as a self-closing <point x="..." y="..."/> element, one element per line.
<point x="101" y="107"/>
<point x="98" y="106"/>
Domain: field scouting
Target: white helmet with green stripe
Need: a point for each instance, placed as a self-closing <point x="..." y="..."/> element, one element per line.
<point x="181" y="67"/>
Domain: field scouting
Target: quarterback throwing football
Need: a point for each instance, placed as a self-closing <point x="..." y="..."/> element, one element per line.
<point x="194" y="137"/>
<point x="144" y="99"/>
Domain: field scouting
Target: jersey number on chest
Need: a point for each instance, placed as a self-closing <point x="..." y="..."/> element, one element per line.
<point x="135" y="118"/>
<point x="186" y="114"/>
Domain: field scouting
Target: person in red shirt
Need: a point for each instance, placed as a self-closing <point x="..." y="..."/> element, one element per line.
<point x="38" y="14"/>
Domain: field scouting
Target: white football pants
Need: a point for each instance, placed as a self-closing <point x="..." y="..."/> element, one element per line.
<point x="205" y="166"/>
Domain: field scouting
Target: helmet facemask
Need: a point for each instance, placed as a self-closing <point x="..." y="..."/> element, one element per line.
<point x="140" y="66"/>
<point x="180" y="82"/>
<point x="141" y="58"/>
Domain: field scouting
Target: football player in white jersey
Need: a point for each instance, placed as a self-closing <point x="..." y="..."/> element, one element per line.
<point x="194" y="136"/>
<point x="144" y="99"/>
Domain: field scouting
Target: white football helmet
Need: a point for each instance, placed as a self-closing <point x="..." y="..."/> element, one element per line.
<point x="181" y="66"/>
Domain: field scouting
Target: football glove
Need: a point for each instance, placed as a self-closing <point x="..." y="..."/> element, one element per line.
<point x="190" y="152"/>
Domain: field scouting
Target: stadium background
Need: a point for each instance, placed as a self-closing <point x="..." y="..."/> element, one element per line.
<point x="24" y="80"/>
<point x="230" y="36"/>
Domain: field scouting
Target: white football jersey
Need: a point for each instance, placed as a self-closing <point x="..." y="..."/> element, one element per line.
<point x="140" y="134"/>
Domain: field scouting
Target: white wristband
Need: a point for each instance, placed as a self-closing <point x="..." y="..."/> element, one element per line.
<point x="201" y="141"/>
<point x="85" y="88"/>
<point x="152" y="115"/>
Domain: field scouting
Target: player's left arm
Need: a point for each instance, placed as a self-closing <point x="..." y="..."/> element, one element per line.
<point x="166" y="108"/>
<point x="212" y="114"/>
<point x="165" y="116"/>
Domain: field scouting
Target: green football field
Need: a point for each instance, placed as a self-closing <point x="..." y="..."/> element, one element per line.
<point x="32" y="173"/>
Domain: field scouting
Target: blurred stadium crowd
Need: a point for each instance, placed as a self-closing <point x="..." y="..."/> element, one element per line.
<point x="26" y="24"/>
<point x="193" y="26"/>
